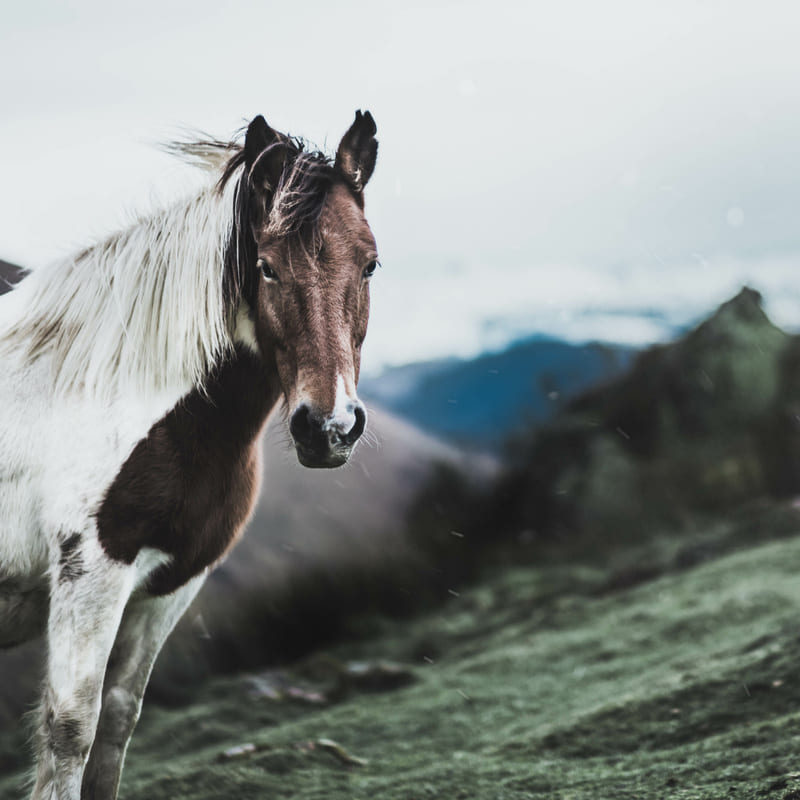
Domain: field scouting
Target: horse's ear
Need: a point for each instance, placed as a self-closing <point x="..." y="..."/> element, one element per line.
<point x="355" y="158"/>
<point x="258" y="138"/>
<point x="264" y="168"/>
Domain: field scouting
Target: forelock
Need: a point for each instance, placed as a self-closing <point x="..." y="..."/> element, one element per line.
<point x="299" y="195"/>
<point x="293" y="206"/>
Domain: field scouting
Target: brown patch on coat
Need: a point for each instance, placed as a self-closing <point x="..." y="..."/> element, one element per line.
<point x="68" y="736"/>
<point x="70" y="562"/>
<point x="187" y="489"/>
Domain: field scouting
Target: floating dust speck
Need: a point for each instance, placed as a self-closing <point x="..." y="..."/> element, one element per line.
<point x="735" y="217"/>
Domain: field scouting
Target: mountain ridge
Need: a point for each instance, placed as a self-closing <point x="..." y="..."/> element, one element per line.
<point x="481" y="402"/>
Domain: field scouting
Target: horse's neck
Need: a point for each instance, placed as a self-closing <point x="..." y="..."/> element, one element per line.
<point x="187" y="489"/>
<point x="234" y="404"/>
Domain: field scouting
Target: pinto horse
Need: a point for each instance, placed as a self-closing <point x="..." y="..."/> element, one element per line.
<point x="136" y="379"/>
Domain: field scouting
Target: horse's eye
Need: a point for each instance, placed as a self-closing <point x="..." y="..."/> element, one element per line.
<point x="369" y="270"/>
<point x="266" y="270"/>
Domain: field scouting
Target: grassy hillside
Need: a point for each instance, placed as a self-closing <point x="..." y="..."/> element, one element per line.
<point x="562" y="679"/>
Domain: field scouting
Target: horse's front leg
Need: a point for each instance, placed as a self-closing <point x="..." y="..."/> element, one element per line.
<point x="146" y="624"/>
<point x="88" y="593"/>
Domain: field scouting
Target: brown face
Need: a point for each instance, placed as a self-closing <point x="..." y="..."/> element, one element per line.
<point x="312" y="307"/>
<point x="313" y="254"/>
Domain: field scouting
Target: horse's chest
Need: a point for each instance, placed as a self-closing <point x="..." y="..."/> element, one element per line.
<point x="188" y="488"/>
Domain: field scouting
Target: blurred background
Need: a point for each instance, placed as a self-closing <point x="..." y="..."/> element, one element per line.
<point x="583" y="355"/>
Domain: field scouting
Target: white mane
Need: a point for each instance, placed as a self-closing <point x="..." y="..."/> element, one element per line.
<point x="141" y="311"/>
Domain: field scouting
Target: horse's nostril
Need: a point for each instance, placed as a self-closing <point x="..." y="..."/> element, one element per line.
<point x="301" y="426"/>
<point x="314" y="433"/>
<point x="358" y="428"/>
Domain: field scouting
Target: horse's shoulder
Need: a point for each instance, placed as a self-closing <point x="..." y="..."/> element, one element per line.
<point x="188" y="487"/>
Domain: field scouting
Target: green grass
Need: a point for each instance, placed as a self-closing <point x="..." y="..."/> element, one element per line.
<point x="544" y="681"/>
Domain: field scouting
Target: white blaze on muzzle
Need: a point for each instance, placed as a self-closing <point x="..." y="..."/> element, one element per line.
<point x="343" y="417"/>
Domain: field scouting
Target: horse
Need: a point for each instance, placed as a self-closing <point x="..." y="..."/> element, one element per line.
<point x="137" y="376"/>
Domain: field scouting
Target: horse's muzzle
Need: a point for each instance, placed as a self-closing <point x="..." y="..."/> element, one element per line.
<point x="326" y="441"/>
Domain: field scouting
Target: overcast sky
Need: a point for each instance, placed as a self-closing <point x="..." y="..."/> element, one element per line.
<point x="543" y="167"/>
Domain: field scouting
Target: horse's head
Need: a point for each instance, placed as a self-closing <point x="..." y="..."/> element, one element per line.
<point x="311" y="256"/>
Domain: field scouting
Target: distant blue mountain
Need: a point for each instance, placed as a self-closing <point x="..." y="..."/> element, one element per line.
<point x="482" y="402"/>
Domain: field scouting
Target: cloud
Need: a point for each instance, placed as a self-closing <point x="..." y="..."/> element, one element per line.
<point x="465" y="311"/>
